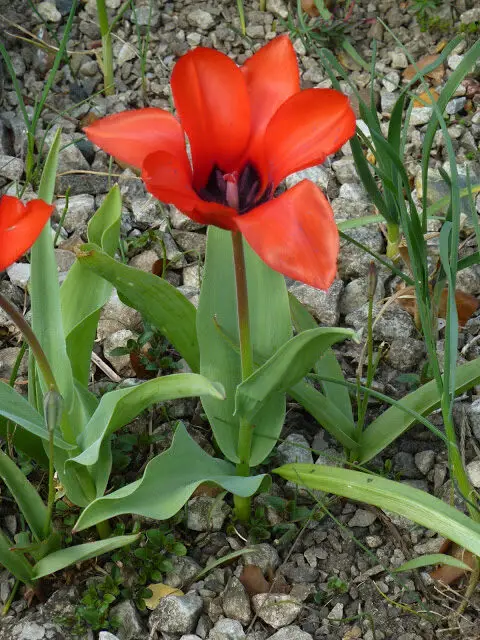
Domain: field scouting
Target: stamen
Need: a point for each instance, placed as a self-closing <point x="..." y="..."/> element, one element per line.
<point x="231" y="180"/>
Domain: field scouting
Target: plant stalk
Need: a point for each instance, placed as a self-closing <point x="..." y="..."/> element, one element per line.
<point x="242" y="505"/>
<point x="11" y="596"/>
<point x="31" y="338"/>
<point x="263" y="5"/>
<point x="393" y="239"/>
<point x="241" y="15"/>
<point x="107" y="54"/>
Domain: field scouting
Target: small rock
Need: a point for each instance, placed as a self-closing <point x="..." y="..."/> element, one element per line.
<point x="473" y="470"/>
<point x="227" y="629"/>
<point x="453" y="61"/>
<point x="318" y="175"/>
<point x="420" y="115"/>
<point x="324" y="305"/>
<point x="80" y="209"/>
<point x="19" y="274"/>
<point x="288" y="452"/>
<point x="387" y="101"/>
<point x="391" y="81"/>
<point x="116" y="316"/>
<point x="8" y="357"/>
<point x="362" y="518"/>
<point x="404" y="464"/>
<point x="355" y="294"/>
<point x="395" y="323"/>
<point x="374" y="541"/>
<point x="425" y="460"/>
<point x="145" y="211"/>
<point x="278" y="8"/>
<point x="455" y="106"/>
<point x="177" y="614"/>
<point x="206" y="514"/>
<point x="337" y="612"/>
<point x="11" y="168"/>
<point x="399" y="60"/>
<point x="277" y="610"/>
<point x="49" y="11"/>
<point x="473" y="413"/>
<point x="121" y="364"/>
<point x="291" y="633"/>
<point x="130" y="624"/>
<point x="106" y="635"/>
<point x="264" y="556"/>
<point x="193" y="243"/>
<point x="236" y="603"/>
<point x="471" y="16"/>
<point x="201" y="19"/>
<point x="127" y="52"/>
<point x="405" y="356"/>
<point x="190" y="636"/>
<point x="184" y="570"/>
<point x="144" y="261"/>
<point x="345" y="170"/>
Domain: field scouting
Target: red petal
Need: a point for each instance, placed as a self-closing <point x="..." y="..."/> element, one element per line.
<point x="272" y="77"/>
<point x="168" y="180"/>
<point x="131" y="136"/>
<point x="306" y="129"/>
<point x="20" y="226"/>
<point x="296" y="235"/>
<point x="211" y="98"/>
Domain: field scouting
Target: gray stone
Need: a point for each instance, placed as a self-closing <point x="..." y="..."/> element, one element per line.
<point x="80" y="209"/>
<point x="473" y="413"/>
<point x="201" y="19"/>
<point x="353" y="191"/>
<point x="453" y="61"/>
<point x="145" y="211"/>
<point x="362" y="518"/>
<point x="455" y="106"/>
<point x="206" y="514"/>
<point x="291" y="632"/>
<point x="420" y="115"/>
<point x="404" y="465"/>
<point x="177" y="614"/>
<point x="323" y="305"/>
<point x="174" y="256"/>
<point x="180" y="221"/>
<point x="345" y="170"/>
<point x="121" y="364"/>
<point x="106" y="635"/>
<point x="184" y="570"/>
<point x="11" y="168"/>
<point x="399" y="59"/>
<point x="391" y="80"/>
<point x="318" y="175"/>
<point x="288" y="452"/>
<point x="64" y="259"/>
<point x="19" y="274"/>
<point x="471" y="16"/>
<point x="235" y="602"/>
<point x="8" y="357"/>
<point x="425" y="460"/>
<point x="190" y="636"/>
<point x="278" y="8"/>
<point x="190" y="242"/>
<point x="116" y="316"/>
<point x="405" y="356"/>
<point x="263" y="555"/>
<point x="374" y="541"/>
<point x="131" y="627"/>
<point x="227" y="629"/>
<point x="49" y="11"/>
<point x="144" y="261"/>
<point x="192" y="276"/>
<point x="256" y="31"/>
<point x="394" y="323"/>
<point x="127" y="52"/>
<point x="468" y="280"/>
<point x="277" y="610"/>
<point x="473" y="470"/>
<point x="387" y="101"/>
<point x="337" y="612"/>
<point x="355" y="294"/>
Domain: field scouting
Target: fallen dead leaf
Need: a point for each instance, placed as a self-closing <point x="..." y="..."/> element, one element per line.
<point x="424" y="98"/>
<point x="436" y="75"/>
<point x="253" y="580"/>
<point x="160" y="590"/>
<point x="466" y="304"/>
<point x="447" y="574"/>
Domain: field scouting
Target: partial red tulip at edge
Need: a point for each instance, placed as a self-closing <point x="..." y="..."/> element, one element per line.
<point x="249" y="128"/>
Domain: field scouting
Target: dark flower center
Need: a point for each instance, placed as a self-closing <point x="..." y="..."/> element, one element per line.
<point x="239" y="189"/>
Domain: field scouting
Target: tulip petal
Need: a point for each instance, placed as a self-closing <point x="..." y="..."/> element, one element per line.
<point x="296" y="235"/>
<point x="272" y="77"/>
<point x="20" y="225"/>
<point x="169" y="181"/>
<point x="307" y="128"/>
<point x="211" y="98"/>
<point x="131" y="136"/>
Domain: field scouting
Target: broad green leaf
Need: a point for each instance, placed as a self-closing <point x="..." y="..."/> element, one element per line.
<point x="217" y="331"/>
<point x="65" y="557"/>
<point x="326" y="413"/>
<point x="14" y="562"/>
<point x="25" y="495"/>
<point x="393" y="422"/>
<point x="157" y="300"/>
<point x="292" y="361"/>
<point x="168" y="482"/>
<point x="432" y="559"/>
<point x="120" y="407"/>
<point x="17" y="409"/>
<point x="327" y="365"/>
<point x="81" y="310"/>
<point x="416" y="505"/>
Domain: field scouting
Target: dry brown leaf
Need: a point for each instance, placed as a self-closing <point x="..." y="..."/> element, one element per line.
<point x="253" y="580"/>
<point x="159" y="591"/>
<point x="436" y="75"/>
<point x="424" y="98"/>
<point x="447" y="574"/>
<point x="309" y="7"/>
<point x="466" y="304"/>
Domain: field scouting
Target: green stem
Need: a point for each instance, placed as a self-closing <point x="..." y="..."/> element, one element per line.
<point x="241" y="15"/>
<point x="242" y="505"/>
<point x="31" y="338"/>
<point x="393" y="238"/>
<point x="263" y="5"/>
<point x="11" y="596"/>
<point x="107" y="54"/>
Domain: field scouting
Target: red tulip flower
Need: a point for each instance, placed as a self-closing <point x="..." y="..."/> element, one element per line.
<point x="20" y="226"/>
<point x="249" y="128"/>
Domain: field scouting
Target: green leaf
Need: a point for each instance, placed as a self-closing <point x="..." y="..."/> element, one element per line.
<point x="432" y="559"/>
<point x="416" y="505"/>
<point x="217" y="331"/>
<point x="66" y="557"/>
<point x="168" y="482"/>
<point x="157" y="300"/>
<point x="14" y="562"/>
<point x="393" y="422"/>
<point x="80" y="312"/>
<point x="291" y="362"/>
<point x="24" y="441"/>
<point x="120" y="407"/>
<point x="25" y="495"/>
<point x="327" y="365"/>
<point x="17" y="409"/>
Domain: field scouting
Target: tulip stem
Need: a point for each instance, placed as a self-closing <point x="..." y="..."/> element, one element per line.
<point x="393" y="240"/>
<point x="242" y="505"/>
<point x="31" y="338"/>
<point x="107" y="54"/>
